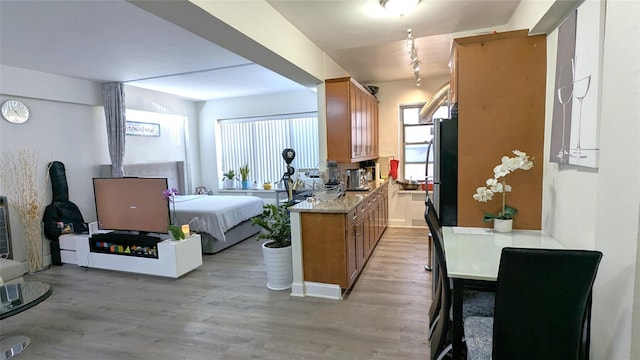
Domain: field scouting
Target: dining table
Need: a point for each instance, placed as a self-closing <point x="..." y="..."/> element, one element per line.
<point x="473" y="257"/>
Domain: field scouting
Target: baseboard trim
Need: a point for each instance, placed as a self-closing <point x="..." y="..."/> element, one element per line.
<point x="321" y="290"/>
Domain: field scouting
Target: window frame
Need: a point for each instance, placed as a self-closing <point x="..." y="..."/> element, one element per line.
<point x="403" y="136"/>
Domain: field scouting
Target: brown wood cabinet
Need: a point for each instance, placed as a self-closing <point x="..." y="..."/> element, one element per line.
<point x="352" y="121"/>
<point x="498" y="81"/>
<point x="336" y="246"/>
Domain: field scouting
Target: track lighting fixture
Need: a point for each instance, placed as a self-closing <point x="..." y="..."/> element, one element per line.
<point x="413" y="54"/>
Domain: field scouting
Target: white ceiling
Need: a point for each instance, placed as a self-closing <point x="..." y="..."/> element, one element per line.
<point x="118" y="41"/>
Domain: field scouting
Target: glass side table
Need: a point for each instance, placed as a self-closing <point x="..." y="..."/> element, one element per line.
<point x="14" y="299"/>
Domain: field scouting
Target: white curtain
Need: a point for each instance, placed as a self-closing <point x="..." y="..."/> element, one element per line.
<point x="114" y="111"/>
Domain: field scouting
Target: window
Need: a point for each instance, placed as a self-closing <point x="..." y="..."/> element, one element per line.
<point x="259" y="142"/>
<point x="415" y="141"/>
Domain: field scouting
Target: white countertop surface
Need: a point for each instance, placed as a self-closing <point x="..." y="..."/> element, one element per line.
<point x="474" y="253"/>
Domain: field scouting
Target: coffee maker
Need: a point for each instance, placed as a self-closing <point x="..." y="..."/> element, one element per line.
<point x="333" y="175"/>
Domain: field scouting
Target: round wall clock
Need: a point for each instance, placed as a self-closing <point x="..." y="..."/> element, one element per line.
<point x="15" y="111"/>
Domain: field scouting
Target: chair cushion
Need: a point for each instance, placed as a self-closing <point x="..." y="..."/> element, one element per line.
<point x="10" y="269"/>
<point x="478" y="334"/>
<point x="478" y="303"/>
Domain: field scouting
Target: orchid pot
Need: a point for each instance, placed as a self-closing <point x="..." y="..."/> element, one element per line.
<point x="503" y="225"/>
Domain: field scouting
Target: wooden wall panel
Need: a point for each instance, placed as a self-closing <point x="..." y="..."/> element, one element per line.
<point x="501" y="105"/>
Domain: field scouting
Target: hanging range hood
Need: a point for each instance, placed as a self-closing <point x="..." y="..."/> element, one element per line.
<point x="438" y="98"/>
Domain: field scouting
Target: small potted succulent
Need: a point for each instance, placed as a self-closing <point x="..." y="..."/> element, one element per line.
<point x="229" y="179"/>
<point x="244" y="174"/>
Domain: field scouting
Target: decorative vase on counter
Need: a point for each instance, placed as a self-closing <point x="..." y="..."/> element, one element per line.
<point x="246" y="184"/>
<point x="503" y="226"/>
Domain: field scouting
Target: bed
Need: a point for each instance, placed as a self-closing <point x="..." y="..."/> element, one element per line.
<point x="221" y="220"/>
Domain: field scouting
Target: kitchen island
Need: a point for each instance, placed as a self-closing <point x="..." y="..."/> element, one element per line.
<point x="332" y="240"/>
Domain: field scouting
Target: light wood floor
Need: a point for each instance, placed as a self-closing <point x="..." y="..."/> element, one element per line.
<point x="223" y="310"/>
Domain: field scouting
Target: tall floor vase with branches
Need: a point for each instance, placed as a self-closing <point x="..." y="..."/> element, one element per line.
<point x="18" y="173"/>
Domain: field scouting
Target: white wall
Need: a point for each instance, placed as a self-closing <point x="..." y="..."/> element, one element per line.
<point x="616" y="318"/>
<point x="65" y="125"/>
<point x="259" y="105"/>
<point x="599" y="208"/>
<point x="142" y="149"/>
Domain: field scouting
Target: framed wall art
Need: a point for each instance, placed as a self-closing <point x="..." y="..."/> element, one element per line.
<point x="574" y="131"/>
<point x="136" y="128"/>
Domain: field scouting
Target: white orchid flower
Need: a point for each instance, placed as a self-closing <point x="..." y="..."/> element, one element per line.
<point x="497" y="188"/>
<point x="483" y="194"/>
<point x="526" y="161"/>
<point x="512" y="164"/>
<point x="500" y="171"/>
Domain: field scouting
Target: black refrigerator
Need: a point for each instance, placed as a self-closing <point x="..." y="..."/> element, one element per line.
<point x="444" y="148"/>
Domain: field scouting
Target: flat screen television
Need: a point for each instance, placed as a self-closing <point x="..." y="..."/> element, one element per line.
<point x="131" y="204"/>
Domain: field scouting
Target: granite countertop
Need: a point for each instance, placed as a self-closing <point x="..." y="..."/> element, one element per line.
<point x="342" y="205"/>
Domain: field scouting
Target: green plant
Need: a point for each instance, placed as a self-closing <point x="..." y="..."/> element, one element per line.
<point x="229" y="175"/>
<point x="494" y="185"/>
<point x="244" y="172"/>
<point x="175" y="230"/>
<point x="275" y="221"/>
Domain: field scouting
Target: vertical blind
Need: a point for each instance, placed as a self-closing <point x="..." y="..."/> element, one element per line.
<point x="259" y="142"/>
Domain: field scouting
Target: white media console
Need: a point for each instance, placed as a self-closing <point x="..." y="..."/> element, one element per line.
<point x="174" y="258"/>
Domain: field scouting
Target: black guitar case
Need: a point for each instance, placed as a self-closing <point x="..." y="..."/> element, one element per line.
<point x="61" y="216"/>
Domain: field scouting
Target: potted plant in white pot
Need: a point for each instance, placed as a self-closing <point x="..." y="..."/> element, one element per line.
<point x="229" y="179"/>
<point x="276" y="226"/>
<point x="244" y="175"/>
<point x="503" y="221"/>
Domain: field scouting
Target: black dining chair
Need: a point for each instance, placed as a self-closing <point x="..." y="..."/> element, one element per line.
<point x="475" y="303"/>
<point x="542" y="307"/>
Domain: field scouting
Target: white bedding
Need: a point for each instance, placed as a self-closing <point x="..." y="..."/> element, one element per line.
<point x="215" y="214"/>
